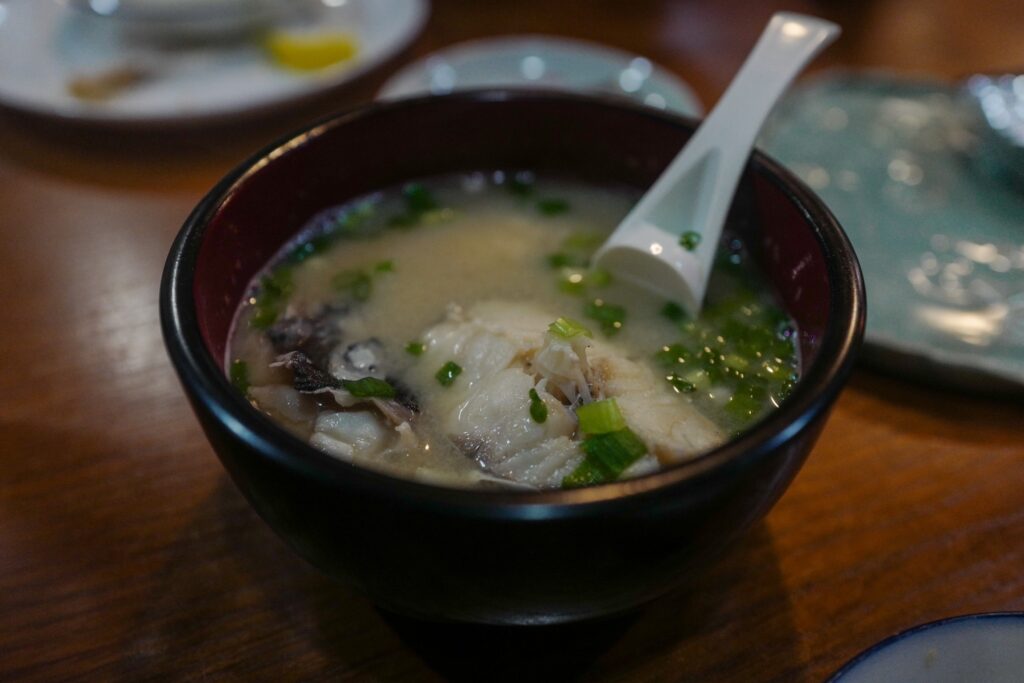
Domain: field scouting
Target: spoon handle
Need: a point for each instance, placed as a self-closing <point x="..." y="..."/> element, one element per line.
<point x="695" y="191"/>
<point x="787" y="44"/>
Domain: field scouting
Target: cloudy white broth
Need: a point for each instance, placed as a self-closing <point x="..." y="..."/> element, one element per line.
<point x="451" y="331"/>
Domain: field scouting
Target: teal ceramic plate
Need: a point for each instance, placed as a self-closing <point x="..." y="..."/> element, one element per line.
<point x="940" y="238"/>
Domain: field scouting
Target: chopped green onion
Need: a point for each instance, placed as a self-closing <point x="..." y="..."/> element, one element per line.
<point x="447" y="374"/>
<point x="680" y="384"/>
<point x="239" y="375"/>
<point x="610" y="316"/>
<point x="573" y="282"/>
<point x="278" y="282"/>
<point x="615" y="450"/>
<point x="587" y="473"/>
<point x="305" y="250"/>
<point x="356" y="282"/>
<point x="735" y="362"/>
<point x="275" y="288"/>
<point x="415" y="348"/>
<point x="738" y="356"/>
<point x="785" y="389"/>
<point x="689" y="240"/>
<point x="747" y="403"/>
<point x="264" y="314"/>
<point x="346" y="223"/>
<point x="521" y="184"/>
<point x="420" y="205"/>
<point x="552" y="206"/>
<point x="607" y="457"/>
<point x="674" y="354"/>
<point x="573" y="260"/>
<point x="673" y="312"/>
<point x="369" y="387"/>
<point x="538" y="409"/>
<point x="567" y="328"/>
<point x="598" y="278"/>
<point x="699" y="378"/>
<point x="404" y="220"/>
<point x="418" y="199"/>
<point x="600" y="417"/>
<point x="312" y="247"/>
<point x="350" y="221"/>
<point x="582" y="241"/>
<point x="435" y="216"/>
<point x="559" y="260"/>
<point x="562" y="259"/>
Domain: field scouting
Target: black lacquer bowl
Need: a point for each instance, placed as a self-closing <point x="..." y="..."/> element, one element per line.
<point x="487" y="556"/>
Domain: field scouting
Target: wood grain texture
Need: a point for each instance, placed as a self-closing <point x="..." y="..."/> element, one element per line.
<point x="126" y="554"/>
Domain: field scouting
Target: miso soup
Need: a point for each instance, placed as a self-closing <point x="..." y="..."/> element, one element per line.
<point x="451" y="331"/>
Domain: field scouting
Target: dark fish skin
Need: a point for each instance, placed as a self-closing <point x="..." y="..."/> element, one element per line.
<point x="314" y="336"/>
<point x="394" y="411"/>
<point x="404" y="395"/>
<point x="307" y="378"/>
<point x="306" y="344"/>
<point x="474" y="449"/>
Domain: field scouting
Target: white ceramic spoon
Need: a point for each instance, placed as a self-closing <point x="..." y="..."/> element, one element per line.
<point x="693" y="194"/>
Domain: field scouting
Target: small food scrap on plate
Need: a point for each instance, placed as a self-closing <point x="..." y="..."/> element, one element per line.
<point x="108" y="83"/>
<point x="303" y="51"/>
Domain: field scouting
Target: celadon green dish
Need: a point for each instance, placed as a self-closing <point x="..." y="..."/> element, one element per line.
<point x="939" y="235"/>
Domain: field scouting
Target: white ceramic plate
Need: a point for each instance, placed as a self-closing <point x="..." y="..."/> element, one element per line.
<point x="544" y="62"/>
<point x="45" y="43"/>
<point x="967" y="649"/>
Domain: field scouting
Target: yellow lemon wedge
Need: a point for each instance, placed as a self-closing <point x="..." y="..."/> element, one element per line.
<point x="310" y="51"/>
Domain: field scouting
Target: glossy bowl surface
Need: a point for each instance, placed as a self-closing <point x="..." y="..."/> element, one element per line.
<point x="487" y="556"/>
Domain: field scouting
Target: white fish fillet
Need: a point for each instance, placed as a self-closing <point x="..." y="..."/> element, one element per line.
<point x="351" y="434"/>
<point x="504" y="350"/>
<point x="668" y="424"/>
<point x="283" y="403"/>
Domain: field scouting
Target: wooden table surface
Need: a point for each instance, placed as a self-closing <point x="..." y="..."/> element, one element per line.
<point x="127" y="554"/>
